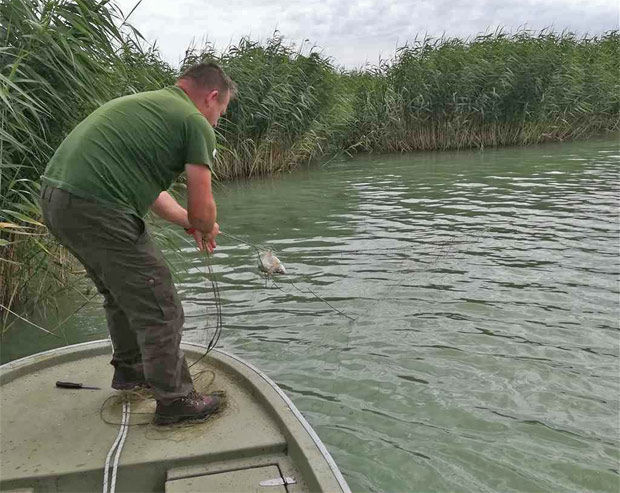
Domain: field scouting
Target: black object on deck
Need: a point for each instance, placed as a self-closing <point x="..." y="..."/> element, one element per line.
<point x="74" y="385"/>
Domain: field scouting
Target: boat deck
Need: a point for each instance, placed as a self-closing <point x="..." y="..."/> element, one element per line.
<point x="56" y="439"/>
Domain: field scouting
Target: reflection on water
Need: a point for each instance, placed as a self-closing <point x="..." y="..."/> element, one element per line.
<point x="484" y="287"/>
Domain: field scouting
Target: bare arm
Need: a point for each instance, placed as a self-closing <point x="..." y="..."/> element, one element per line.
<point x="201" y="209"/>
<point x="169" y="209"/>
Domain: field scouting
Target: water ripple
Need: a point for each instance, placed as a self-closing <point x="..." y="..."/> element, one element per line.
<point x="484" y="354"/>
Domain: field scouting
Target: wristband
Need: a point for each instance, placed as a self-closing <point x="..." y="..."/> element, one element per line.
<point x="190" y="231"/>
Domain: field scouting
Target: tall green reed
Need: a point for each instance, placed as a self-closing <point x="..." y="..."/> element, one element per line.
<point x="496" y="89"/>
<point x="59" y="60"/>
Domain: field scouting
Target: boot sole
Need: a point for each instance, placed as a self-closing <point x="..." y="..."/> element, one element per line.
<point x="161" y="420"/>
<point x="131" y="386"/>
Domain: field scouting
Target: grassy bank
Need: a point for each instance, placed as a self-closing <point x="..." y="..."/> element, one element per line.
<point x="61" y="59"/>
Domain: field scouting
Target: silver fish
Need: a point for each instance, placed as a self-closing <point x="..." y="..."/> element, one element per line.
<point x="270" y="264"/>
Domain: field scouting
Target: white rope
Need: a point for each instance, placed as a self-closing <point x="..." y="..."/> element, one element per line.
<point x="118" y="446"/>
<point x="125" y="426"/>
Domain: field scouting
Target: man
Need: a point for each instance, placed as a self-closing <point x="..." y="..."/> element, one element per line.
<point x="106" y="174"/>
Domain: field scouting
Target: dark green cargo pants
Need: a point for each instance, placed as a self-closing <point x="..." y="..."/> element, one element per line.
<point x="144" y="314"/>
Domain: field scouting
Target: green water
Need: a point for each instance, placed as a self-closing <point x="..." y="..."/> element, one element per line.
<point x="484" y="354"/>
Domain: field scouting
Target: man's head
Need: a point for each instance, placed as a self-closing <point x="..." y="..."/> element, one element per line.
<point x="209" y="88"/>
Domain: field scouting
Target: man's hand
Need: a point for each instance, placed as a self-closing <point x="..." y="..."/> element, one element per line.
<point x="206" y="242"/>
<point x="211" y="237"/>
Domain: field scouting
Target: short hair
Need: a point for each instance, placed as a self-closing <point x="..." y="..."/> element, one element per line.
<point x="209" y="75"/>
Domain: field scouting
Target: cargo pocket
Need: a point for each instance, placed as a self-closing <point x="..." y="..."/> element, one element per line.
<point x="166" y="298"/>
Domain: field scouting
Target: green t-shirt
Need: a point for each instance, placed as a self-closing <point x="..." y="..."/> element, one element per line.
<point x="132" y="148"/>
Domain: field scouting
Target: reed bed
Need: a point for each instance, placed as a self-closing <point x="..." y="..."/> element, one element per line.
<point x="60" y="59"/>
<point x="289" y="104"/>
<point x="493" y="90"/>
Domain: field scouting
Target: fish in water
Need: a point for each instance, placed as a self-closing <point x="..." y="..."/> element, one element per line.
<point x="270" y="264"/>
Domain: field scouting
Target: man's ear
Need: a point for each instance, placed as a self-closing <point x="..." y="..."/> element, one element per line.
<point x="212" y="96"/>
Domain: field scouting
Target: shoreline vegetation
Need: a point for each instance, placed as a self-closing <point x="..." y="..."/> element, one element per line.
<point x="61" y="59"/>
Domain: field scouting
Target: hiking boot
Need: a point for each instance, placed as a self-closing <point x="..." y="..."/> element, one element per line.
<point x="129" y="378"/>
<point x="193" y="406"/>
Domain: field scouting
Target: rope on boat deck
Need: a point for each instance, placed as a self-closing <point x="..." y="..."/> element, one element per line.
<point x="118" y="446"/>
